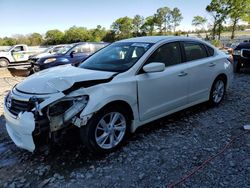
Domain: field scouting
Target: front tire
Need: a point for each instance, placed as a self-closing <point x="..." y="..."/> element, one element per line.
<point x="4" y="62"/>
<point x="217" y="92"/>
<point x="106" y="130"/>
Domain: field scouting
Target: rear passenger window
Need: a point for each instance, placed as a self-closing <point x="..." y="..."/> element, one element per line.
<point x="169" y="54"/>
<point x="194" y="51"/>
<point x="210" y="51"/>
<point x="82" y="48"/>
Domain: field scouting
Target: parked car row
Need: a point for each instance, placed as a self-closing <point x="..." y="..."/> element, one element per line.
<point x="72" y="54"/>
<point x="48" y="51"/>
<point x="114" y="91"/>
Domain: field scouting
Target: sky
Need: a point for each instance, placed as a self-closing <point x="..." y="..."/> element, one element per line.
<point x="28" y="16"/>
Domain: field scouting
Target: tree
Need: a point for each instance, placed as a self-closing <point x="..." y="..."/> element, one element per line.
<point x="176" y="18"/>
<point x="219" y="11"/>
<point x="53" y="37"/>
<point x="138" y="22"/>
<point x="7" y="41"/>
<point x="21" y="39"/>
<point x="76" y="34"/>
<point x="35" y="39"/>
<point x="148" y="26"/>
<point x="162" y="19"/>
<point x="123" y="27"/>
<point x="246" y="17"/>
<point x="97" y="34"/>
<point x="199" y="22"/>
<point x="110" y="36"/>
<point x="237" y="10"/>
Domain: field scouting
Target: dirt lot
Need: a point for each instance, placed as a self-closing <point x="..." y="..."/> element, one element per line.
<point x="157" y="155"/>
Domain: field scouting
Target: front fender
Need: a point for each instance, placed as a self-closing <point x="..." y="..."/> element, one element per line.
<point x="100" y="96"/>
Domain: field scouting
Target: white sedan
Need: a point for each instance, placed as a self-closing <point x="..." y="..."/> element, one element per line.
<point x="116" y="90"/>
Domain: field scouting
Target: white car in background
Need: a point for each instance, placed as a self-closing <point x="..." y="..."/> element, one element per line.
<point x="116" y="90"/>
<point x="16" y="54"/>
<point x="49" y="51"/>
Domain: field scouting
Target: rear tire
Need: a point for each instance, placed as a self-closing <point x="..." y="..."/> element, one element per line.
<point x="4" y="62"/>
<point x="106" y="130"/>
<point x="217" y="92"/>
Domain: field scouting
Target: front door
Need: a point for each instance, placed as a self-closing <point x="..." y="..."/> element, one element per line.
<point x="162" y="92"/>
<point x="19" y="54"/>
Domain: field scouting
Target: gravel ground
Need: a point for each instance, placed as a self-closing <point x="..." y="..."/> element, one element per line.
<point x="157" y="155"/>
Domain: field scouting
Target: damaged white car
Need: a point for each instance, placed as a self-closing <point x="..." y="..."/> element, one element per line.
<point x="116" y="90"/>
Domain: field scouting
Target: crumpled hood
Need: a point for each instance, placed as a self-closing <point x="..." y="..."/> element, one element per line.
<point x="59" y="79"/>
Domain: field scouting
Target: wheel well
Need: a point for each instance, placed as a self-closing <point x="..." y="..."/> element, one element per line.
<point x="123" y="104"/>
<point x="223" y="77"/>
<point x="5" y="59"/>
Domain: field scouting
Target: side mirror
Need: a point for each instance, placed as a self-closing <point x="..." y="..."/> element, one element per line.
<point x="154" y="67"/>
<point x="72" y="53"/>
<point x="245" y="53"/>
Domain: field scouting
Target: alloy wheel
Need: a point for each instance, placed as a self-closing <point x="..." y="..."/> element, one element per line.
<point x="110" y="130"/>
<point x="218" y="91"/>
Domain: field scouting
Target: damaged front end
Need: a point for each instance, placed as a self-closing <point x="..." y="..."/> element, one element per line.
<point x="34" y="120"/>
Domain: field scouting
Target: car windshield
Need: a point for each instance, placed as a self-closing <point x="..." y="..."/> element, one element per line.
<point x="65" y="49"/>
<point x="117" y="57"/>
<point x="47" y="49"/>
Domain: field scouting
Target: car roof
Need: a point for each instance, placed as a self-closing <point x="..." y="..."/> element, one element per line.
<point x="243" y="45"/>
<point x="78" y="43"/>
<point x="154" y="39"/>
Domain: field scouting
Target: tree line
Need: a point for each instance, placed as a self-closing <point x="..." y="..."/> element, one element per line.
<point x="163" y="22"/>
<point x="222" y="10"/>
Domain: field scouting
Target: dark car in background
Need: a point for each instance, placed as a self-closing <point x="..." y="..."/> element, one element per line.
<point x="241" y="55"/>
<point x="71" y="54"/>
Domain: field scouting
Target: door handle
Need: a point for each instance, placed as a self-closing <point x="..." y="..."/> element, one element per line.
<point x="182" y="73"/>
<point x="211" y="64"/>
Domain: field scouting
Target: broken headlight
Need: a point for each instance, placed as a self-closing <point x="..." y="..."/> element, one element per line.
<point x="63" y="105"/>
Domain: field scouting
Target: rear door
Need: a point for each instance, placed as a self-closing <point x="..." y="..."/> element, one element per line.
<point x="201" y="70"/>
<point x="161" y="92"/>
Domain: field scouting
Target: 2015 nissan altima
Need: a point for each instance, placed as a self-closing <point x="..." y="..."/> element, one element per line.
<point x="116" y="90"/>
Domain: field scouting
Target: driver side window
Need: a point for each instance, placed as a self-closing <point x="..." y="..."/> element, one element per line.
<point x="82" y="49"/>
<point x="18" y="49"/>
<point x="169" y="54"/>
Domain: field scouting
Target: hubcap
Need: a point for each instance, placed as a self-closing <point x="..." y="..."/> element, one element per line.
<point x="218" y="91"/>
<point x="3" y="63"/>
<point x="110" y="130"/>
